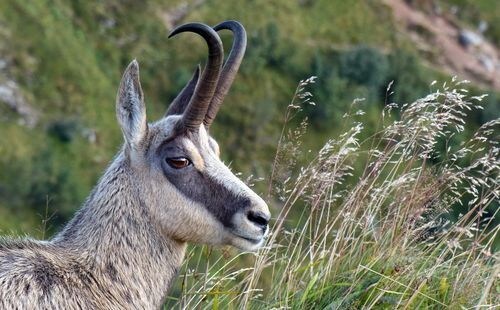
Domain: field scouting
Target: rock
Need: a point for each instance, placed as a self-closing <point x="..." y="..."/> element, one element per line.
<point x="483" y="26"/>
<point x="469" y="38"/>
<point x="11" y="95"/>
<point x="90" y="134"/>
<point x="3" y="64"/>
<point x="487" y="62"/>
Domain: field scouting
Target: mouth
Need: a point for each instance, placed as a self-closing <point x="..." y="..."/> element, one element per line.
<point x="251" y="240"/>
<point x="247" y="242"/>
<point x="247" y="231"/>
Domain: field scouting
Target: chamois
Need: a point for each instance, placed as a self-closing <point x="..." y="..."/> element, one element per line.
<point x="166" y="187"/>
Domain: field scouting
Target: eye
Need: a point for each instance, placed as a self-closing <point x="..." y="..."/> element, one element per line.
<point x="178" y="162"/>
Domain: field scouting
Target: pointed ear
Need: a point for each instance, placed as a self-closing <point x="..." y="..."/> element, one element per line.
<point x="130" y="107"/>
<point x="181" y="101"/>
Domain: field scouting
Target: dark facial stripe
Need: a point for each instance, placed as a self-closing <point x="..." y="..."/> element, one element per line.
<point x="202" y="188"/>
<point x="199" y="185"/>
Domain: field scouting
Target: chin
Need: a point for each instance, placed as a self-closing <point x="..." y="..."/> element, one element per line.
<point x="251" y="244"/>
<point x="247" y="245"/>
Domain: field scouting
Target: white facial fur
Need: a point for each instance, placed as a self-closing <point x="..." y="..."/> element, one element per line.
<point x="184" y="218"/>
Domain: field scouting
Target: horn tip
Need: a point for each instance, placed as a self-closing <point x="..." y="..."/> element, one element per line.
<point x="173" y="33"/>
<point x="228" y="24"/>
<point x="177" y="30"/>
<point x="194" y="27"/>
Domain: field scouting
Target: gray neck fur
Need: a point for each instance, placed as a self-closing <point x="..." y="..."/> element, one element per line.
<point x="122" y="250"/>
<point x="110" y="254"/>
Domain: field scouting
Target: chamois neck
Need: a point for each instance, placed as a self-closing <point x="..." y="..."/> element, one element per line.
<point x="114" y="233"/>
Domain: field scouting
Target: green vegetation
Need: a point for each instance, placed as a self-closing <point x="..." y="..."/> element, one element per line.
<point x="364" y="224"/>
<point x="67" y="57"/>
<point x="362" y="220"/>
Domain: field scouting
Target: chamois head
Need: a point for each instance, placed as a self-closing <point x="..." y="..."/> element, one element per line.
<point x="191" y="194"/>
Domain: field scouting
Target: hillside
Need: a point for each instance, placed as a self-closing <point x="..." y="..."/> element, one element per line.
<point x="383" y="190"/>
<point x="60" y="64"/>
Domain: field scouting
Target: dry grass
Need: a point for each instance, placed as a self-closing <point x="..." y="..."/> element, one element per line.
<point x="371" y="224"/>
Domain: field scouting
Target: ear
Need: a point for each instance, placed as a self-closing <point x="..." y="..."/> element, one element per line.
<point x="130" y="107"/>
<point x="181" y="101"/>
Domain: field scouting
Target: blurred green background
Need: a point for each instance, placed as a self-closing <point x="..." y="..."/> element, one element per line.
<point x="61" y="62"/>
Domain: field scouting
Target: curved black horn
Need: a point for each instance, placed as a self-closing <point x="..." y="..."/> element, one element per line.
<point x="197" y="108"/>
<point x="230" y="69"/>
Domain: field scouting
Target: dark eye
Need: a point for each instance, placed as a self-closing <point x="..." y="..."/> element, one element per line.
<point x="178" y="162"/>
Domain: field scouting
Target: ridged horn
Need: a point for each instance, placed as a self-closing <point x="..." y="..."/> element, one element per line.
<point x="230" y="68"/>
<point x="198" y="105"/>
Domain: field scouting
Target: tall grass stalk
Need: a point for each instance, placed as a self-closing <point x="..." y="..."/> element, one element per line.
<point x="372" y="224"/>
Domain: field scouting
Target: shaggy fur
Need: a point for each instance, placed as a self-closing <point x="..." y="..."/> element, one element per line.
<point x="125" y="245"/>
<point x="109" y="256"/>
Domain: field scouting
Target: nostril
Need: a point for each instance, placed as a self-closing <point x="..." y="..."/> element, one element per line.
<point x="258" y="218"/>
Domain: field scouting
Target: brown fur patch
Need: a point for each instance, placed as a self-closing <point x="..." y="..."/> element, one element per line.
<point x="196" y="158"/>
